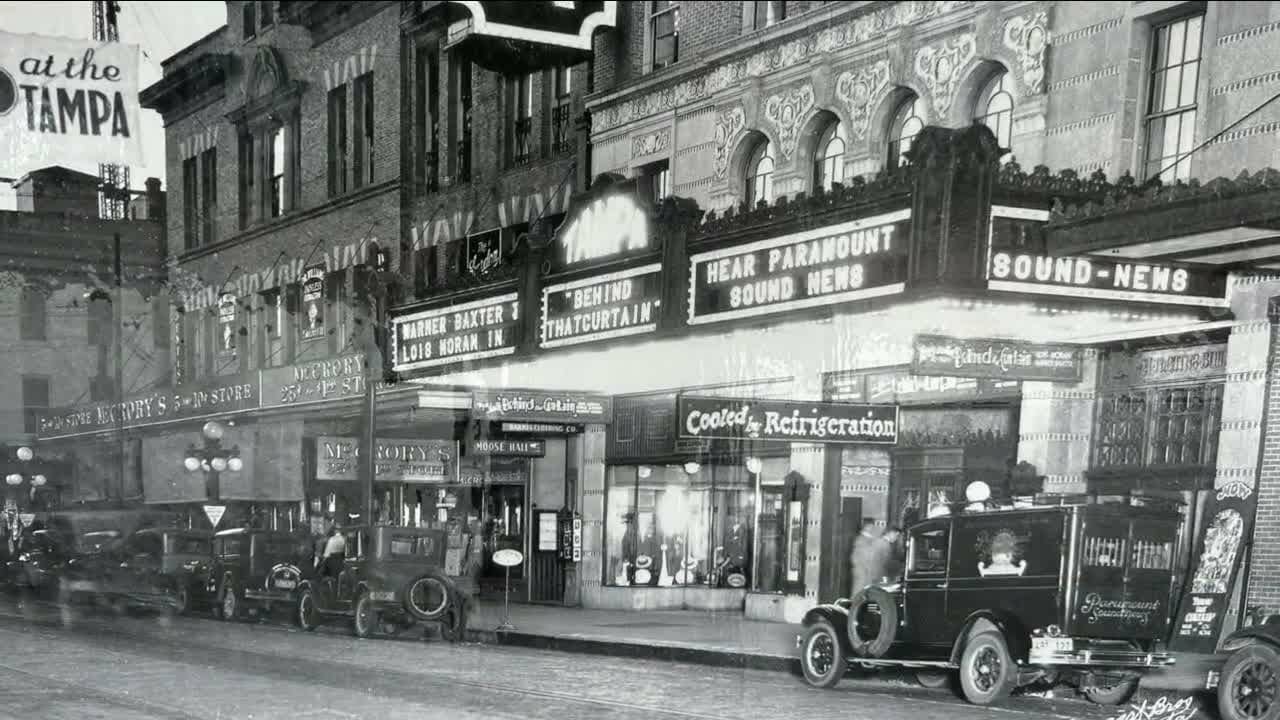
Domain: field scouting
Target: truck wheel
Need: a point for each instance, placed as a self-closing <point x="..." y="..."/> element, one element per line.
<point x="428" y="598"/>
<point x="1110" y="693"/>
<point x="1249" y="688"/>
<point x="822" y="657"/>
<point x="886" y="619"/>
<point x="987" y="671"/>
<point x="365" y="617"/>
<point x="305" y="612"/>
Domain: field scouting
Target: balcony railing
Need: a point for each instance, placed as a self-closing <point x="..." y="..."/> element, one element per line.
<point x="522" y="145"/>
<point x="561" y="129"/>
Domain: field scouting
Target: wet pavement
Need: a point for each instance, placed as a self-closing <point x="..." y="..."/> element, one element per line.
<point x="87" y="664"/>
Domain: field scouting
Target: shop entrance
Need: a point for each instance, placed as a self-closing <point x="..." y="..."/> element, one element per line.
<point x="504" y="514"/>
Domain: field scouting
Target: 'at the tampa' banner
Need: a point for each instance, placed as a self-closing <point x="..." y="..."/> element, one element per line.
<point x="67" y="101"/>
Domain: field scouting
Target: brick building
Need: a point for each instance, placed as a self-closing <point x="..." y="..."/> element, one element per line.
<point x="70" y="336"/>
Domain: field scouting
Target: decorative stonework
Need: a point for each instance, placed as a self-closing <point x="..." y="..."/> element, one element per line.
<point x="650" y="143"/>
<point x="940" y="66"/>
<point x="1028" y="37"/>
<point x="785" y="111"/>
<point x="862" y="28"/>
<point x="860" y="91"/>
<point x="729" y="125"/>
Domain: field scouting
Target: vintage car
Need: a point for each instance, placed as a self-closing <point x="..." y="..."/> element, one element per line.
<point x="1248" y="683"/>
<point x="157" y="568"/>
<point x="256" y="569"/>
<point x="389" y="579"/>
<point x="1070" y="593"/>
<point x="40" y="559"/>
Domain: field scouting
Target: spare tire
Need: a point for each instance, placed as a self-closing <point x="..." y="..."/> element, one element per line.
<point x="429" y="596"/>
<point x="872" y="603"/>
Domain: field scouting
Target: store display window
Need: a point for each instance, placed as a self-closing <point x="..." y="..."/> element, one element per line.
<point x="676" y="526"/>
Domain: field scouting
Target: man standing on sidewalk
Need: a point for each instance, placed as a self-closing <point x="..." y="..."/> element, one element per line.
<point x="866" y="557"/>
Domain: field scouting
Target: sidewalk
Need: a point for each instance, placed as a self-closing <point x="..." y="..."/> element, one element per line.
<point x="720" y="639"/>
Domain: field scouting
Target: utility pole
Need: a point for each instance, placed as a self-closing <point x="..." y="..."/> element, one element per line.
<point x="377" y="287"/>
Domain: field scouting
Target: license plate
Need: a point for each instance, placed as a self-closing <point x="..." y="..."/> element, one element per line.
<point x="1048" y="644"/>
<point x="287" y="584"/>
<point x="383" y="595"/>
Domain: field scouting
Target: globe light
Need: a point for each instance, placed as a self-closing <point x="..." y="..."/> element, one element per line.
<point x="13" y="479"/>
<point x="39" y="480"/>
<point x="219" y="464"/>
<point x="754" y="465"/>
<point x="25" y="454"/>
<point x="212" y="430"/>
<point x="204" y="465"/>
<point x="191" y="464"/>
<point x="235" y="464"/>
<point x="692" y="468"/>
<point x="644" y="471"/>
<point x="977" y="491"/>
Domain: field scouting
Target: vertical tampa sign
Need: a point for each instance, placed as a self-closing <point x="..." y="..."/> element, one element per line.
<point x="609" y="229"/>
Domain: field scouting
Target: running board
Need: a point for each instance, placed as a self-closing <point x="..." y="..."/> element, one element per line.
<point x="880" y="662"/>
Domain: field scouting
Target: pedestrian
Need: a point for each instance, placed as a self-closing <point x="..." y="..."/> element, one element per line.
<point x="894" y="553"/>
<point x="864" y="559"/>
<point x="335" y="551"/>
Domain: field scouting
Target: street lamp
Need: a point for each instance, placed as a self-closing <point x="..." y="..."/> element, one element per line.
<point x="212" y="458"/>
<point x="38" y="480"/>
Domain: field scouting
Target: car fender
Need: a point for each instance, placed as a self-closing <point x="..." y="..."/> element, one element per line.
<point x="835" y="614"/>
<point x="1016" y="636"/>
<point x="1268" y="633"/>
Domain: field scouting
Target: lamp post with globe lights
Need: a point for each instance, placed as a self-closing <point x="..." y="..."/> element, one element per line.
<point x="212" y="459"/>
<point x="16" y="479"/>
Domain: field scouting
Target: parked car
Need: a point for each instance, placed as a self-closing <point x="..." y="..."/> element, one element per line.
<point x="41" y="557"/>
<point x="1249" y="682"/>
<point x="1075" y="593"/>
<point x="391" y="578"/>
<point x="256" y="568"/>
<point x="152" y="568"/>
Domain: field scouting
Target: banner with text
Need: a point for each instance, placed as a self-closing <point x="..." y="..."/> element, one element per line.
<point x="534" y="406"/>
<point x="67" y="101"/>
<point x="511" y="447"/>
<point x="413" y="461"/>
<point x="598" y="308"/>
<point x="703" y="417"/>
<point x="993" y="358"/>
<point x="473" y="330"/>
<point x="1096" y="277"/>
<point x="851" y="261"/>
<point x="219" y="396"/>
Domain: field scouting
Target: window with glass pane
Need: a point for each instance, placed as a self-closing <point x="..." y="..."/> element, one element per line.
<point x="907" y="124"/>
<point x="275" y="173"/>
<point x="828" y="163"/>
<point x="667" y="528"/>
<point x="1171" y="109"/>
<point x="771" y="526"/>
<point x="760" y="175"/>
<point x="521" y="119"/>
<point x="768" y="13"/>
<point x="995" y="109"/>
<point x="1179" y="424"/>
<point x="664" y="29"/>
<point x="1121" y="421"/>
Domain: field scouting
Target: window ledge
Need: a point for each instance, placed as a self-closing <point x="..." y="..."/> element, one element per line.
<point x="288" y="219"/>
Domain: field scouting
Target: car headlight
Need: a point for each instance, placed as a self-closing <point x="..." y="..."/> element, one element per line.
<point x="24" y="558"/>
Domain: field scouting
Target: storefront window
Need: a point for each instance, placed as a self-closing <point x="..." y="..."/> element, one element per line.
<point x="669" y="527"/>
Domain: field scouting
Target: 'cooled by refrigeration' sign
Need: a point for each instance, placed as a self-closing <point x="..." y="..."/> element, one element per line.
<point x="1104" y="278"/>
<point x="454" y="333"/>
<point x="839" y="263"/>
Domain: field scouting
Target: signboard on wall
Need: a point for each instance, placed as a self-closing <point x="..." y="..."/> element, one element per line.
<point x="415" y="461"/>
<point x="217" y="397"/>
<point x="599" y="308"/>
<point x="850" y="261"/>
<point x="1153" y="367"/>
<point x="312" y="303"/>
<point x="609" y="226"/>
<point x="228" y="328"/>
<point x="511" y="447"/>
<point x="702" y="417"/>
<point x="474" y="330"/>
<point x="900" y="387"/>
<point x="1105" y="278"/>
<point x="540" y="407"/>
<point x="994" y="358"/>
<point x="483" y="253"/>
<point x="311" y="382"/>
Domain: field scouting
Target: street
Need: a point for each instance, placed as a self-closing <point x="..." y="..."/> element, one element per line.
<point x="87" y="664"/>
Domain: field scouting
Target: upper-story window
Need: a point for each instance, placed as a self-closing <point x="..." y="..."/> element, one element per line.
<point x="561" y="112"/>
<point x="362" y="169"/>
<point x="199" y="198"/>
<point x="828" y="160"/>
<point x="268" y="12"/>
<point x="275" y="170"/>
<point x="664" y="32"/>
<point x="338" y="145"/>
<point x="759" y="185"/>
<point x="1171" y="108"/>
<point x="656" y="180"/>
<point x="461" y="102"/>
<point x="247" y="185"/>
<point x="906" y="125"/>
<point x="768" y="13"/>
<point x="33" y="314"/>
<point x="521" y="118"/>
<point x="995" y="109"/>
<point x="427" y="99"/>
<point x="249" y="16"/>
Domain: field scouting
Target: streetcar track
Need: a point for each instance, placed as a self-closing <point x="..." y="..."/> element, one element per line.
<point x="80" y="691"/>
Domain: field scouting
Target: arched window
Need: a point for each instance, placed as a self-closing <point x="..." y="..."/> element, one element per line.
<point x="760" y="174"/>
<point x="995" y="109"/>
<point x="907" y="124"/>
<point x="828" y="157"/>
